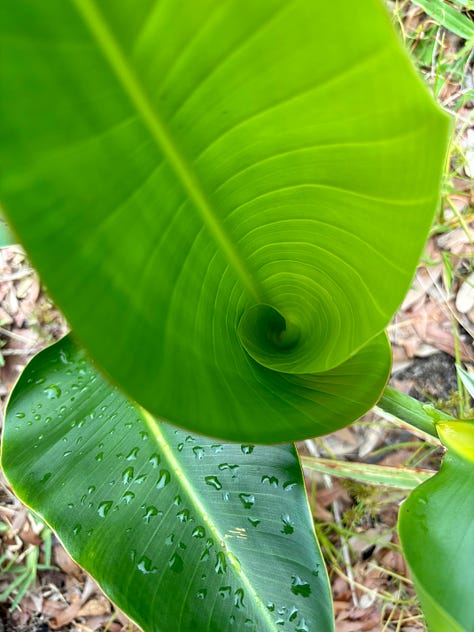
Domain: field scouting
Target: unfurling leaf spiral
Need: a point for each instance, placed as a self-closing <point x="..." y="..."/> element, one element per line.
<point x="226" y="200"/>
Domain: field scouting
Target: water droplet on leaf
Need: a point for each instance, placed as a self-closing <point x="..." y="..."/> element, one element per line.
<point x="199" y="532"/>
<point x="150" y="511"/>
<point x="247" y="500"/>
<point x="163" y="479"/>
<point x="154" y="460"/>
<point x="176" y="563"/>
<point x="198" y="451"/>
<point x="128" y="497"/>
<point x="239" y="598"/>
<point x="127" y="475"/>
<point x="221" y="563"/>
<point x="132" y="455"/>
<point x="145" y="566"/>
<point x="300" y="586"/>
<point x="271" y="480"/>
<point x="288" y="526"/>
<point x="104" y="508"/>
<point x="52" y="391"/>
<point x="213" y="481"/>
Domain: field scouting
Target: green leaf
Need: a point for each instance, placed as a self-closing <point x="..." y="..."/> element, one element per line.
<point x="182" y="532"/>
<point x="219" y="194"/>
<point x="399" y="477"/>
<point x="436" y="526"/>
<point x="449" y="17"/>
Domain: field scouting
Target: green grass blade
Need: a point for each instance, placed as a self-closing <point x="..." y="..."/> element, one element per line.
<point x="448" y="17"/>
<point x="399" y="477"/>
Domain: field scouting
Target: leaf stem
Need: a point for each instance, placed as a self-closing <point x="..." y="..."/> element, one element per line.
<point x="421" y="416"/>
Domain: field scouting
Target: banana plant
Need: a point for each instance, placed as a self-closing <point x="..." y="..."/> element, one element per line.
<point x="227" y="200"/>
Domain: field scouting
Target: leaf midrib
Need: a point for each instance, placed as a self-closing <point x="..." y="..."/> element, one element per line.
<point x="187" y="486"/>
<point x="135" y="92"/>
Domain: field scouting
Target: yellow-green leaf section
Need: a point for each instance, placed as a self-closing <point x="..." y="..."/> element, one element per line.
<point x="436" y="526"/>
<point x="219" y="194"/>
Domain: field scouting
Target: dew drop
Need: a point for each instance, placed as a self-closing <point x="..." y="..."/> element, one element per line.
<point x="288" y="526"/>
<point x="104" y="508"/>
<point x="227" y="466"/>
<point x="177" y="500"/>
<point x="52" y="391"/>
<point x="201" y="594"/>
<point x="99" y="457"/>
<point x="46" y="477"/>
<point x="76" y="529"/>
<point x="198" y="451"/>
<point x="247" y="500"/>
<point x="127" y="475"/>
<point x="254" y="522"/>
<point x="271" y="606"/>
<point x="224" y="591"/>
<point x="289" y="485"/>
<point x="128" y="497"/>
<point x="271" y="480"/>
<point x="150" y="511"/>
<point x="199" y="532"/>
<point x="300" y="586"/>
<point x="293" y="613"/>
<point x="154" y="460"/>
<point x="67" y="453"/>
<point x="247" y="449"/>
<point x="144" y="435"/>
<point x="183" y="515"/>
<point x="239" y="598"/>
<point x="20" y="415"/>
<point x="176" y="563"/>
<point x="91" y="489"/>
<point x="180" y="446"/>
<point x="213" y="481"/>
<point x="170" y="539"/>
<point x="220" y="566"/>
<point x="132" y="455"/>
<point x="302" y="626"/>
<point x="163" y="480"/>
<point x="145" y="566"/>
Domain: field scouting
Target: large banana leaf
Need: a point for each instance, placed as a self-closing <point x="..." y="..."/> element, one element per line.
<point x="436" y="526"/>
<point x="182" y="532"/>
<point x="227" y="198"/>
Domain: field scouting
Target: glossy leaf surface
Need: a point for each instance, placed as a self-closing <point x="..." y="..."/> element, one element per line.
<point x="436" y="526"/>
<point x="226" y="188"/>
<point x="182" y="532"/>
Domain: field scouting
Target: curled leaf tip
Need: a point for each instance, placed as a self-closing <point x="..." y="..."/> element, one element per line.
<point x="269" y="338"/>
